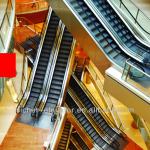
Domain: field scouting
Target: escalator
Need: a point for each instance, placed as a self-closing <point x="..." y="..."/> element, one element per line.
<point x="37" y="80"/>
<point x="89" y="24"/>
<point x="63" y="144"/>
<point x="59" y="76"/>
<point x="75" y="136"/>
<point x="116" y="25"/>
<point x="86" y="100"/>
<point x="87" y="126"/>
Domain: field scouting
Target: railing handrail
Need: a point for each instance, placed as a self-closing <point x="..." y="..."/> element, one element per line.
<point x="145" y="126"/>
<point x="135" y="18"/>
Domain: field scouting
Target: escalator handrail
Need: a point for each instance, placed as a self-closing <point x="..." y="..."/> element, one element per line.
<point x="30" y="80"/>
<point x="53" y="58"/>
<point x="120" y="16"/>
<point x="89" y="117"/>
<point x="90" y="96"/>
<point x="112" y="33"/>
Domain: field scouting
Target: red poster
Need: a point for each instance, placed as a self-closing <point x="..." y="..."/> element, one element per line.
<point x="7" y="65"/>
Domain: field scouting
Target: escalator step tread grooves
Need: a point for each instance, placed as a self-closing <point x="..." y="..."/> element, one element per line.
<point x="86" y="124"/>
<point x="60" y="69"/>
<point x="43" y="61"/>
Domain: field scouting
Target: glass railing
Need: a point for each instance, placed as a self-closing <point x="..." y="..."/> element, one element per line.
<point x="33" y="6"/>
<point x="137" y="77"/>
<point x="107" y="100"/>
<point x="6" y="25"/>
<point x="134" y="14"/>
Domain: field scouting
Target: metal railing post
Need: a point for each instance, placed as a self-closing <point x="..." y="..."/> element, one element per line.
<point x="137" y="15"/>
<point x="120" y="3"/>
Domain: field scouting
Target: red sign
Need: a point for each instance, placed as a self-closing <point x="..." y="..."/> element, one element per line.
<point x="7" y="65"/>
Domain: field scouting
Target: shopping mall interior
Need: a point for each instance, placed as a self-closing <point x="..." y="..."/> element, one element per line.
<point x="82" y="75"/>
